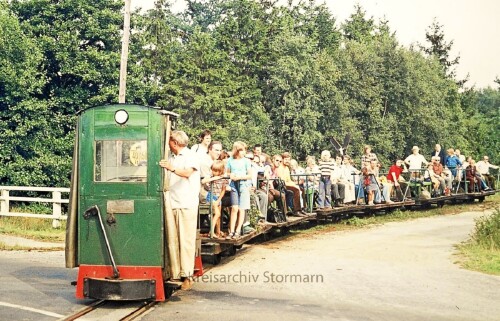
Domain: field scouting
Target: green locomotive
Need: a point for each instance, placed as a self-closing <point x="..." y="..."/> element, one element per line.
<point x="116" y="227"/>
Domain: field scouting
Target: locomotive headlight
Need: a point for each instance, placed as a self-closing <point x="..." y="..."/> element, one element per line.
<point x="121" y="116"/>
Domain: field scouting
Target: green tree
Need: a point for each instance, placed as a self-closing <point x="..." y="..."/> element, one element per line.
<point x="32" y="153"/>
<point x="441" y="50"/>
<point x="80" y="43"/>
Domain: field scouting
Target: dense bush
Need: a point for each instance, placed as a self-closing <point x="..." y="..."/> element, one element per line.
<point x="487" y="231"/>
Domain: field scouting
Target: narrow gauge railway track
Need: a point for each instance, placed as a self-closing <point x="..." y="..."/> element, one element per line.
<point x="129" y="311"/>
<point x="111" y="311"/>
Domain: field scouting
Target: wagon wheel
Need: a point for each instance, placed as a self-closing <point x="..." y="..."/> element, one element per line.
<point x="169" y="290"/>
<point x="215" y="259"/>
<point x="284" y="230"/>
<point x="231" y="250"/>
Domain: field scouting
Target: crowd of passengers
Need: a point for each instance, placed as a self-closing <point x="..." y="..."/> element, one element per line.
<point x="229" y="178"/>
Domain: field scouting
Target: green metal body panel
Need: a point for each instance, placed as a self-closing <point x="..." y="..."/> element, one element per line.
<point x="136" y="238"/>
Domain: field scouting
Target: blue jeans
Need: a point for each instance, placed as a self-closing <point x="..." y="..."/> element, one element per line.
<point x="325" y="191"/>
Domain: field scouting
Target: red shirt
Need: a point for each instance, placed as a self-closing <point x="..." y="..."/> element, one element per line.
<point x="397" y="170"/>
<point x="437" y="168"/>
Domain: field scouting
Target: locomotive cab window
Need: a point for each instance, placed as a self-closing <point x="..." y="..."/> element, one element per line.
<point x="120" y="161"/>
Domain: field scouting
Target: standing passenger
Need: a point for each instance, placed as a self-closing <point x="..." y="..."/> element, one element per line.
<point x="326" y="167"/>
<point x="206" y="162"/>
<point x="184" y="179"/>
<point x="240" y="173"/>
<point x="415" y="161"/>
<point x="204" y="141"/>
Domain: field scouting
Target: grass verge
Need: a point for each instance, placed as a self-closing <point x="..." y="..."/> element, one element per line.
<point x="5" y="247"/>
<point x="482" y="251"/>
<point x="32" y="228"/>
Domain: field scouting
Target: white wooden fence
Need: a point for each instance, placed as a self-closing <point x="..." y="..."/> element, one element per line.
<point x="6" y="199"/>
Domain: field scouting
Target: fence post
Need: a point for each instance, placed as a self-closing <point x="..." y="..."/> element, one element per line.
<point x="56" y="209"/>
<point x="4" y="203"/>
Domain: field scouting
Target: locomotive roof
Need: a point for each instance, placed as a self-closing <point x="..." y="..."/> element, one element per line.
<point x="160" y="109"/>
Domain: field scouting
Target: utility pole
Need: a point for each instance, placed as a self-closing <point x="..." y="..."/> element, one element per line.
<point x="124" y="58"/>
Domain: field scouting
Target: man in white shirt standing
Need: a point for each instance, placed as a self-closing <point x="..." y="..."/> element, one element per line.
<point x="184" y="183"/>
<point x="415" y="161"/>
<point x="483" y="167"/>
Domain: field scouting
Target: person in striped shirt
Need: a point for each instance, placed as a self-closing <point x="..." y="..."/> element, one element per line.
<point x="326" y="166"/>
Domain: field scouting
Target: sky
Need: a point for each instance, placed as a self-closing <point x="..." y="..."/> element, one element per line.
<point x="473" y="26"/>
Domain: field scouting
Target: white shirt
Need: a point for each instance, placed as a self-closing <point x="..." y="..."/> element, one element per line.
<point x="415" y="161"/>
<point x="199" y="149"/>
<point x="184" y="191"/>
<point x="484" y="168"/>
<point x="206" y="163"/>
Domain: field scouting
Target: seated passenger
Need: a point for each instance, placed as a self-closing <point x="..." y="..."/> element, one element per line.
<point x="384" y="188"/>
<point x="355" y="179"/>
<point x="346" y="178"/>
<point x="283" y="172"/>
<point x="216" y="186"/>
<point x="338" y="187"/>
<point x="445" y="181"/>
<point x="394" y="176"/>
<point x="296" y="169"/>
<point x="473" y="177"/>
<point x="433" y="177"/>
<point x="370" y="184"/>
<point x="275" y="194"/>
<point x="483" y="167"/>
<point x="260" y="195"/>
<point x="312" y="180"/>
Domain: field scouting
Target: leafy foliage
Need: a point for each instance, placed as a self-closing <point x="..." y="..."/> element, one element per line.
<point x="284" y="76"/>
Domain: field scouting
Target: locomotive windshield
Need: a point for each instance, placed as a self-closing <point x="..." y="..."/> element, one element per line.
<point x="120" y="161"/>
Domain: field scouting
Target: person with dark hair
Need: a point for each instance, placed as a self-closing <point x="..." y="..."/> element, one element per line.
<point x="283" y="172"/>
<point x="204" y="139"/>
<point x="439" y="152"/>
<point x="368" y="156"/>
<point x="394" y="176"/>
<point x="257" y="151"/>
<point x="206" y="161"/>
<point x="473" y="177"/>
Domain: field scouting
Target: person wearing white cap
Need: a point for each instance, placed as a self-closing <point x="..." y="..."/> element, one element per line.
<point x="415" y="160"/>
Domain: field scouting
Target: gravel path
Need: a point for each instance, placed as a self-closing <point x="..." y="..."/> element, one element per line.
<point x="397" y="271"/>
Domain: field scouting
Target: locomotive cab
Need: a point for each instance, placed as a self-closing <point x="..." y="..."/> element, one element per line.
<point x="115" y="231"/>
